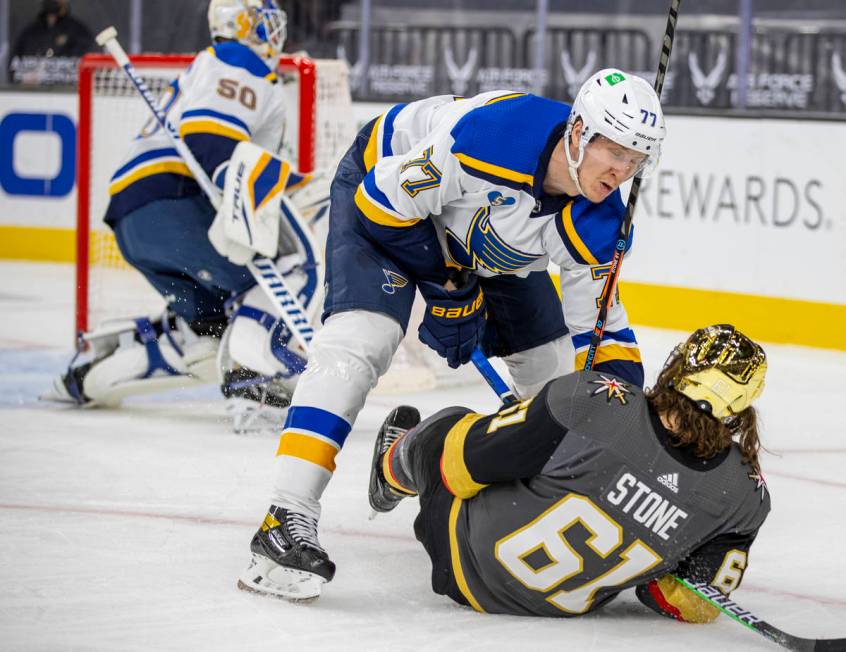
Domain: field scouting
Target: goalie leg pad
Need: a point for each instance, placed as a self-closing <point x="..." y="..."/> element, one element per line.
<point x="128" y="358"/>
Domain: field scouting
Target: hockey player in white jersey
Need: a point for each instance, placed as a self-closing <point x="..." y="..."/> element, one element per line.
<point x="161" y="220"/>
<point x="467" y="200"/>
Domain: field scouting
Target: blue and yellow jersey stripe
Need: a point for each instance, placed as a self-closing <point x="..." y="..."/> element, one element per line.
<point x="379" y="142"/>
<point x="157" y="161"/>
<point x="615" y="345"/>
<point x="497" y="174"/>
<point x="504" y="140"/>
<point x="207" y="121"/>
<point x="590" y="231"/>
<point x="376" y="206"/>
<point x="313" y="435"/>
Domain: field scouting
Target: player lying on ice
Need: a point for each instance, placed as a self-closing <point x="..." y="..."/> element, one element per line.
<point x="467" y="200"/>
<point x="554" y="505"/>
<point x="229" y="96"/>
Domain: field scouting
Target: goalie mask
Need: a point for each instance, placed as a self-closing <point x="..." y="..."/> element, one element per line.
<point x="623" y="108"/>
<point x="720" y="369"/>
<point x="258" y="24"/>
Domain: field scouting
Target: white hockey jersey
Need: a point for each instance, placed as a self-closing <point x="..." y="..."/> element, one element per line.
<point x="475" y="167"/>
<point x="227" y="94"/>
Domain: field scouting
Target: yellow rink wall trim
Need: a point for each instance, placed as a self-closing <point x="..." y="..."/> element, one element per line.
<point x="35" y="243"/>
<point x="768" y="319"/>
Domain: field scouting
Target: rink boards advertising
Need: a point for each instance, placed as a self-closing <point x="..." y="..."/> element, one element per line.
<point x="744" y="218"/>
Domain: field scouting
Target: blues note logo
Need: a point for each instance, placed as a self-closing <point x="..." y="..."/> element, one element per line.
<point x="483" y="247"/>
<point x="496" y="199"/>
<point x="394" y="281"/>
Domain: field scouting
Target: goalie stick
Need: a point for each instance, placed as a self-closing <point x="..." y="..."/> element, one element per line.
<point x="263" y="269"/>
<point x="704" y="590"/>
<point x="610" y="287"/>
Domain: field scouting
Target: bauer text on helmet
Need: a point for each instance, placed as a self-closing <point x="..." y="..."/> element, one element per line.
<point x="623" y="109"/>
<point x="258" y="24"/>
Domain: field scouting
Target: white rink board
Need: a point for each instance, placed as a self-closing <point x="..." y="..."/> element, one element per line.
<point x="769" y="216"/>
<point x="36" y="155"/>
<point x="739" y="205"/>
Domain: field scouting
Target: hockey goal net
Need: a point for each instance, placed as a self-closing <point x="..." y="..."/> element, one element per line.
<point x="320" y="127"/>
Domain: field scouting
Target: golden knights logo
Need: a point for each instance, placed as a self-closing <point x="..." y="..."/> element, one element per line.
<point x="611" y="388"/>
<point x="760" y="483"/>
<point x="484" y="247"/>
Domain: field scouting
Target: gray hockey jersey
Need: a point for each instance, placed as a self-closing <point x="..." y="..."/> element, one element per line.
<point x="587" y="498"/>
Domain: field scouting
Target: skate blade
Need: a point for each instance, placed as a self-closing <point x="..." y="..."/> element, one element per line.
<point x="269" y="578"/>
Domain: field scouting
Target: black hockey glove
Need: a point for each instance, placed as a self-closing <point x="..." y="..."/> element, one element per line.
<point x="454" y="320"/>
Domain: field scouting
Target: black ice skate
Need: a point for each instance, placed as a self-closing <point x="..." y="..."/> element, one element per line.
<point x="383" y="498"/>
<point x="288" y="562"/>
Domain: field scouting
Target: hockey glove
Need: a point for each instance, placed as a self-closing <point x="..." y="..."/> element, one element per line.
<point x="454" y="320"/>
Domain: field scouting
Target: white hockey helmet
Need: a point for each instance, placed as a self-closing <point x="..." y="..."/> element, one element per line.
<point x="258" y="24"/>
<point x="623" y="108"/>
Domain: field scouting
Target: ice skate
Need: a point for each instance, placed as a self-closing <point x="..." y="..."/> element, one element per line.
<point x="287" y="560"/>
<point x="383" y="497"/>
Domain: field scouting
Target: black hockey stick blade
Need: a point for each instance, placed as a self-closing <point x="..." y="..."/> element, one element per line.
<point x="745" y="617"/>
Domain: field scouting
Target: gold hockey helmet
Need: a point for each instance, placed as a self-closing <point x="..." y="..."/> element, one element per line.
<point x="720" y="369"/>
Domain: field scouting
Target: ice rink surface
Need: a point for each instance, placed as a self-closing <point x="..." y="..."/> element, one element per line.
<point x="126" y="529"/>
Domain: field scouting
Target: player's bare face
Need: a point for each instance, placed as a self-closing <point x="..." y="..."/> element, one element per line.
<point x="606" y="165"/>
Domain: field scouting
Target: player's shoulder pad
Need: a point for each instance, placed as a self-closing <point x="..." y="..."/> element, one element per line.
<point x="502" y="140"/>
<point x="239" y="55"/>
<point x="590" y="231"/>
<point x="576" y="397"/>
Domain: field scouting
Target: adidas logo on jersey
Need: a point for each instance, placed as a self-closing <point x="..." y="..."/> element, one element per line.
<point x="670" y="480"/>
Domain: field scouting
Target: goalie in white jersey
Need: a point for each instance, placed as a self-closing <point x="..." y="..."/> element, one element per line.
<point x="467" y="200"/>
<point x="229" y="95"/>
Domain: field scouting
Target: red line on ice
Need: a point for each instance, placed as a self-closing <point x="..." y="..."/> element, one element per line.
<point x="199" y="520"/>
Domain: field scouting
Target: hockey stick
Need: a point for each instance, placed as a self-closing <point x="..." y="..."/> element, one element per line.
<point x="737" y="613"/>
<point x="610" y="286"/>
<point x="704" y="590"/>
<point x="492" y="378"/>
<point x="263" y="269"/>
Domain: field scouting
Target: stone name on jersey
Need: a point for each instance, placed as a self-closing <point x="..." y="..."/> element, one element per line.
<point x="646" y="506"/>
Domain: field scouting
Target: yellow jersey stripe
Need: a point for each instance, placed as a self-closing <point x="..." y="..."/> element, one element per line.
<point x="608" y="353"/>
<point x="573" y="235"/>
<point x="510" y="96"/>
<point x="495" y="170"/>
<point x="171" y="167"/>
<point x="371" y="152"/>
<point x="457" y="571"/>
<point x="453" y="467"/>
<point x="209" y="127"/>
<point x="318" y="452"/>
<point x="271" y="76"/>
<point x="375" y="213"/>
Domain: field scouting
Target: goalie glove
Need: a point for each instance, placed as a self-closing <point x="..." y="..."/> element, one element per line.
<point x="247" y="222"/>
<point x="454" y="320"/>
